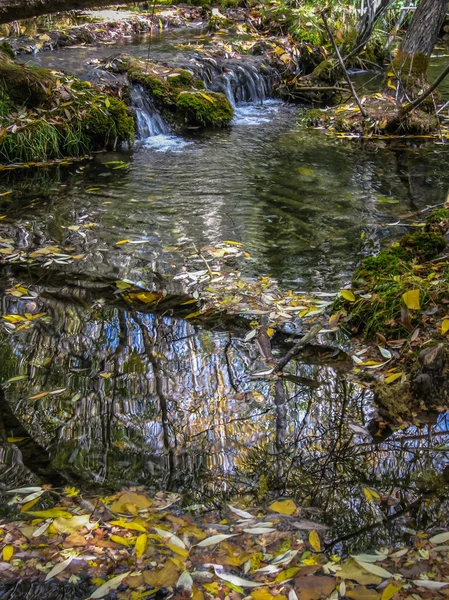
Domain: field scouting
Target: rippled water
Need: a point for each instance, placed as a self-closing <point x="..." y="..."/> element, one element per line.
<point x="151" y="399"/>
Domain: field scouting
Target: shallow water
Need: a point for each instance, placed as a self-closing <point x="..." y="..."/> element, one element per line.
<point x="154" y="400"/>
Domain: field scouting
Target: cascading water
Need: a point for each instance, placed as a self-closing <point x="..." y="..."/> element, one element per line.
<point x="149" y="121"/>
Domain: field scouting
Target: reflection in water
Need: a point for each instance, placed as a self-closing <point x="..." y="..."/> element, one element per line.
<point x="148" y="399"/>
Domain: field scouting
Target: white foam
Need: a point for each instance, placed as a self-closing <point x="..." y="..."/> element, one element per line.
<point x="166" y="143"/>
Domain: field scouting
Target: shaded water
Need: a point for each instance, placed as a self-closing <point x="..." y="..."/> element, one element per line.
<point x="152" y="399"/>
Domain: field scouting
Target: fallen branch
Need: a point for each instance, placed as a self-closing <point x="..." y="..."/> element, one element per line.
<point x="310" y="335"/>
<point x="345" y="72"/>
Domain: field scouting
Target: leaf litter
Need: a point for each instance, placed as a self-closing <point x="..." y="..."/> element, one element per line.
<point x="127" y="546"/>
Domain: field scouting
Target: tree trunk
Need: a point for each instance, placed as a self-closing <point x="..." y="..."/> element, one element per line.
<point x="14" y="10"/>
<point x="412" y="60"/>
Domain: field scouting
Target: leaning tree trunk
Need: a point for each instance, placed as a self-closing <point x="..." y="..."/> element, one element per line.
<point x="412" y="60"/>
<point x="14" y="10"/>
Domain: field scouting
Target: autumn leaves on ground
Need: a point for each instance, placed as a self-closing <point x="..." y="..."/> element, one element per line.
<point x="133" y="545"/>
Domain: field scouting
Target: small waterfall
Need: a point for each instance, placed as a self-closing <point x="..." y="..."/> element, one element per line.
<point x="249" y="82"/>
<point x="149" y="121"/>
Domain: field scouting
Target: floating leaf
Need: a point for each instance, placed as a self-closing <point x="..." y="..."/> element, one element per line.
<point x="215" y="539"/>
<point x="130" y="500"/>
<point x="305" y="171"/>
<point x="368" y="558"/>
<point x="259" y="530"/>
<point x="107" y="587"/>
<point x="131" y="525"/>
<point x="59" y="568"/>
<point x="348" y="295"/>
<point x="411" y="299"/>
<point x="440" y="538"/>
<point x="283" y="507"/>
<point x="375" y="569"/>
<point x="314" y="540"/>
<point x="241" y="513"/>
<point x="244" y="583"/>
<point x="7" y="552"/>
<point x="287" y="574"/>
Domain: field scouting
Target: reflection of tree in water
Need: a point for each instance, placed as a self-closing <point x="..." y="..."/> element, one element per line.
<point x="151" y="399"/>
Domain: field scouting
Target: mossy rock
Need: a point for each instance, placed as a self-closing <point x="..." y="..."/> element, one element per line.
<point x="388" y="263"/>
<point x="180" y="97"/>
<point x="438" y="221"/>
<point x="25" y="85"/>
<point x="423" y="246"/>
<point x="64" y="116"/>
<point x="208" y="110"/>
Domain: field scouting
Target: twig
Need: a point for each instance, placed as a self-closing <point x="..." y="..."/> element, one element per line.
<point x="420" y="99"/>
<point x="211" y="275"/>
<point x="297" y="347"/>
<point x="345" y="72"/>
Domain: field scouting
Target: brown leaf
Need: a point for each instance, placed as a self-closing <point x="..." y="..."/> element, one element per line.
<point x="314" y="588"/>
<point x="129" y="501"/>
<point x="162" y="578"/>
<point x="74" y="540"/>
<point x="362" y="593"/>
<point x="351" y="570"/>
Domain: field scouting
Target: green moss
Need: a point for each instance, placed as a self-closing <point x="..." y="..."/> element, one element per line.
<point x="438" y="221"/>
<point x="25" y="85"/>
<point x="107" y="125"/>
<point x="6" y="48"/>
<point x="387" y="263"/>
<point x="423" y="245"/>
<point x="211" y="109"/>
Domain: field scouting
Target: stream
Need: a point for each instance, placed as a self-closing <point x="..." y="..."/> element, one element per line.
<point x="153" y="400"/>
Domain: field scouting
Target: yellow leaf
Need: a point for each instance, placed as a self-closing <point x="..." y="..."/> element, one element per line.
<point x="391" y="85"/>
<point x="305" y="171"/>
<point x="445" y="326"/>
<point x="51" y="513"/>
<point x="393" y="377"/>
<point x="141" y="545"/>
<point x="270" y="332"/>
<point x="121" y="540"/>
<point x="128" y="499"/>
<point x="314" y="540"/>
<point x="370" y="494"/>
<point x="348" y="295"/>
<point x="147" y="297"/>
<point x="121" y="242"/>
<point x="13" y="440"/>
<point x="71" y="492"/>
<point x="7" y="552"/>
<point x="287" y="574"/>
<point x="71" y="525"/>
<point x="178" y="550"/>
<point x="411" y="299"/>
<point x="208" y="98"/>
<point x="261" y="594"/>
<point x="284" y="507"/>
<point x="131" y="525"/>
<point x="390" y="591"/>
<point x="26" y="507"/>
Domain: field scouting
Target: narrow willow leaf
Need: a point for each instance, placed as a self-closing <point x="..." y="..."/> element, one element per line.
<point x="244" y="583"/>
<point x="440" y="538"/>
<point x="169" y="537"/>
<point x="259" y="530"/>
<point x="429" y="584"/>
<point x="375" y="569"/>
<point x="241" y="513"/>
<point x="109" y="586"/>
<point x="59" y="568"/>
<point x="215" y="539"/>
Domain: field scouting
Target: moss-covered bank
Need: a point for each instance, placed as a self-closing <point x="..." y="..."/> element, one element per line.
<point x="181" y="98"/>
<point x="45" y="115"/>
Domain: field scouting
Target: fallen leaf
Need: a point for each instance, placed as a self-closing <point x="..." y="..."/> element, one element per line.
<point x="59" y="568"/>
<point x="7" y="552"/>
<point x="107" y="587"/>
<point x="412" y="299"/>
<point x="314" y="540"/>
<point x="141" y="545"/>
<point x="283" y="507"/>
<point x="215" y="539"/>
